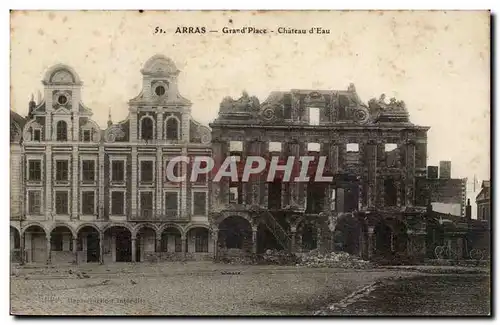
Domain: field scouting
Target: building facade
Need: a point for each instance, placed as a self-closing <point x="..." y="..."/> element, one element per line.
<point x="483" y="201"/>
<point x="82" y="194"/>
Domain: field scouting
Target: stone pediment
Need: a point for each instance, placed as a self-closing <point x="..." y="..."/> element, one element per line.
<point x="62" y="111"/>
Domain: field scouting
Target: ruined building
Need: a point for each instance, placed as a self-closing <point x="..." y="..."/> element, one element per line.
<point x="374" y="154"/>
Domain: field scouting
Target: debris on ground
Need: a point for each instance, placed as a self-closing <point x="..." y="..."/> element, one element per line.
<point x="333" y="259"/>
<point x="278" y="257"/>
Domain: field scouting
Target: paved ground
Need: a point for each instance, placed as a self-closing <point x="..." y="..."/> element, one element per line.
<point x="188" y="289"/>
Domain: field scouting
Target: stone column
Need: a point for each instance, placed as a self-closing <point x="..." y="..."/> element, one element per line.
<point x="299" y="243"/>
<point x="254" y="240"/>
<point x="319" y="244"/>
<point x="215" y="235"/>
<point x="21" y="246"/>
<point x="48" y="249"/>
<point x="48" y="183"/>
<point x="75" y="250"/>
<point x="101" y="248"/>
<point x="74" y="190"/>
<point x="370" y="242"/>
<point x="293" y="232"/>
<point x="134" y="248"/>
<point x="159" y="183"/>
<point x="159" y="127"/>
<point x="183" y="245"/>
<point x="100" y="211"/>
<point x="133" y="193"/>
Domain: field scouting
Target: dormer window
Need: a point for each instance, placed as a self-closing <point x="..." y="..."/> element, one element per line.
<point x="147" y="128"/>
<point x="172" y="126"/>
<point x="37" y="135"/>
<point x="87" y="135"/>
<point x="62" y="131"/>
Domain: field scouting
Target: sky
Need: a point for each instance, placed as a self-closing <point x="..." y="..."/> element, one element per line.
<point x="437" y="62"/>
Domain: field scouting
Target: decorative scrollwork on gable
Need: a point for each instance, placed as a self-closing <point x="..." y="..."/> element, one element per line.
<point x="205" y="134"/>
<point x="113" y="133"/>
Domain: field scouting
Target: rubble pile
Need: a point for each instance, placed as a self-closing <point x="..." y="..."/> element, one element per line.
<point x="278" y="257"/>
<point x="333" y="259"/>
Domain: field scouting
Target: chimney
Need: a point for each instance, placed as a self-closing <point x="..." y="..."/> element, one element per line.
<point x="468" y="211"/>
<point x="445" y="169"/>
<point x="432" y="172"/>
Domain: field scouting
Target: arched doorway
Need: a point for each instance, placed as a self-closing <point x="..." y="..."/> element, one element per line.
<point x="307" y="236"/>
<point x="171" y="243"/>
<point x="273" y="232"/>
<point x="88" y="244"/>
<point x="384" y="240"/>
<point x="400" y="244"/>
<point x="348" y="235"/>
<point x="61" y="245"/>
<point x="15" y="245"/>
<point x="198" y="240"/>
<point x="36" y="244"/>
<point x="235" y="234"/>
<point x="118" y="241"/>
<point x="145" y="244"/>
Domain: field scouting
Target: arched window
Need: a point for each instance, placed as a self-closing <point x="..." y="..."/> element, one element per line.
<point x="172" y="126"/>
<point x="62" y="131"/>
<point x="147" y="128"/>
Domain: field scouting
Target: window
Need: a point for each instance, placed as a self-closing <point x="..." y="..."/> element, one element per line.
<point x="117" y="203"/>
<point x="391" y="193"/>
<point x="235" y="146"/>
<point x="37" y="135"/>
<point x="171" y="204"/>
<point x="333" y="200"/>
<point x="275" y="147"/>
<point x="35" y="170"/>
<point x="146" y="204"/>
<point x="172" y="125"/>
<point x="391" y="154"/>
<point x="62" y="202"/>
<point x="202" y="177"/>
<point x="160" y="91"/>
<point x="87" y="135"/>
<point x="35" y="202"/>
<point x="352" y="147"/>
<point x="313" y="116"/>
<point x="201" y="241"/>
<point x="176" y="171"/>
<point x="199" y="203"/>
<point x="274" y="195"/>
<point x="147" y="128"/>
<point x="312" y="146"/>
<point x="62" y="167"/>
<point x="88" y="170"/>
<point x="147" y="171"/>
<point x="88" y="202"/>
<point x="62" y="100"/>
<point x="61" y="131"/>
<point x="236" y="193"/>
<point x="117" y="171"/>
